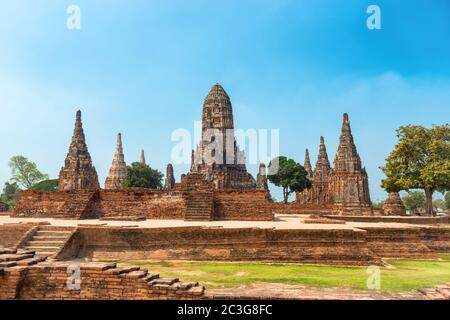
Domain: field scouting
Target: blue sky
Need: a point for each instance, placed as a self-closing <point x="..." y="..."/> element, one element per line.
<point x="144" y="67"/>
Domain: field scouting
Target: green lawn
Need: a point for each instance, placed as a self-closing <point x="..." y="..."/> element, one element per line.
<point x="404" y="275"/>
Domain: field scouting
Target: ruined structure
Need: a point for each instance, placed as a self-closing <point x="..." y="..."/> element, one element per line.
<point x="218" y="158"/>
<point x="118" y="170"/>
<point x="349" y="185"/>
<point x="78" y="173"/>
<point x="343" y="189"/>
<point x="305" y="196"/>
<point x="3" y="207"/>
<point x="393" y="206"/>
<point x="170" y="179"/>
<point x="261" y="178"/>
<point x="319" y="191"/>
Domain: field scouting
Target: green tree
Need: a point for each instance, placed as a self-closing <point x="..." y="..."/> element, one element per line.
<point x="289" y="175"/>
<point x="142" y="176"/>
<point x="447" y="200"/>
<point x="438" y="204"/>
<point x="46" y="185"/>
<point x="25" y="172"/>
<point x="9" y="194"/>
<point x="414" y="200"/>
<point x="421" y="160"/>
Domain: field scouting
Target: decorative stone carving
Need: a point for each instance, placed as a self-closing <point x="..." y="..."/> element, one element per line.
<point x="118" y="170"/>
<point x="78" y="172"/>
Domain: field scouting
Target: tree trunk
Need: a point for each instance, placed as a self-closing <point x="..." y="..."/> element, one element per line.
<point x="285" y="195"/>
<point x="429" y="201"/>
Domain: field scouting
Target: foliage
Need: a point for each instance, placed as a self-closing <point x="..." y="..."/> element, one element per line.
<point x="414" y="200"/>
<point x="421" y="160"/>
<point x="289" y="175"/>
<point x="142" y="176"/>
<point x="447" y="200"/>
<point x="378" y="205"/>
<point x="9" y="194"/>
<point x="25" y="172"/>
<point x="46" y="185"/>
<point x="438" y="204"/>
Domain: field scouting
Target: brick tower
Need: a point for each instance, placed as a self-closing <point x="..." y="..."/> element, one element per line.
<point x="118" y="170"/>
<point x="319" y="190"/>
<point x="218" y="157"/>
<point x="304" y="197"/>
<point x="78" y="172"/>
<point x="349" y="187"/>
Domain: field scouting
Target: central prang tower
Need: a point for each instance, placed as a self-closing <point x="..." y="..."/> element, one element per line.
<point x="218" y="157"/>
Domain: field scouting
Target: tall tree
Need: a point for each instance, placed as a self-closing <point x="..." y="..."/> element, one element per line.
<point x="289" y="175"/>
<point x="140" y="175"/>
<point x="24" y="172"/>
<point x="420" y="160"/>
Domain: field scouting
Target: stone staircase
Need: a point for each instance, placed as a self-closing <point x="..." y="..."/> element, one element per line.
<point x="12" y="258"/>
<point x="48" y="240"/>
<point x="200" y="206"/>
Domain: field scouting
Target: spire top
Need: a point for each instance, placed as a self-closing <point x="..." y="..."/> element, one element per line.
<point x="142" y="159"/>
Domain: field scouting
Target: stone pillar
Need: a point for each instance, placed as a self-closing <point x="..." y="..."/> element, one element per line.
<point x="261" y="178"/>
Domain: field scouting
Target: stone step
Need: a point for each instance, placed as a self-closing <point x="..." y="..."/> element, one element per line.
<point x="50" y="238"/>
<point x="119" y="271"/>
<point x="164" y="282"/>
<point x="8" y="264"/>
<point x="151" y="276"/>
<point x="56" y="228"/>
<point x="52" y="234"/>
<point x="45" y="243"/>
<point x="43" y="249"/>
<point x="15" y="257"/>
<point x="136" y="274"/>
<point x="8" y="251"/>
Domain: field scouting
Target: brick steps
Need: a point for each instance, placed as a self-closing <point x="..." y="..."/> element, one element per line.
<point x="200" y="205"/>
<point x="48" y="240"/>
<point x="100" y="281"/>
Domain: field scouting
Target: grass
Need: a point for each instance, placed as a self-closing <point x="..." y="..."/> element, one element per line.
<point x="404" y="275"/>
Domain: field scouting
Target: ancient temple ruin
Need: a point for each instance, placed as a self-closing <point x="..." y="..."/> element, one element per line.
<point x="78" y="173"/>
<point x="349" y="184"/>
<point x="170" y="179"/>
<point x="319" y="191"/>
<point x="218" y="158"/>
<point x="118" y="170"/>
<point x="343" y="188"/>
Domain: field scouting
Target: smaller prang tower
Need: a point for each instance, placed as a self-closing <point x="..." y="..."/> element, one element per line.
<point x="118" y="170"/>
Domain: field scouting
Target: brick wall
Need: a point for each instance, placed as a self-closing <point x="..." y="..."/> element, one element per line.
<point x="146" y="203"/>
<point x="11" y="234"/>
<point x="326" y="246"/>
<point x="151" y="204"/>
<point x="242" y="205"/>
